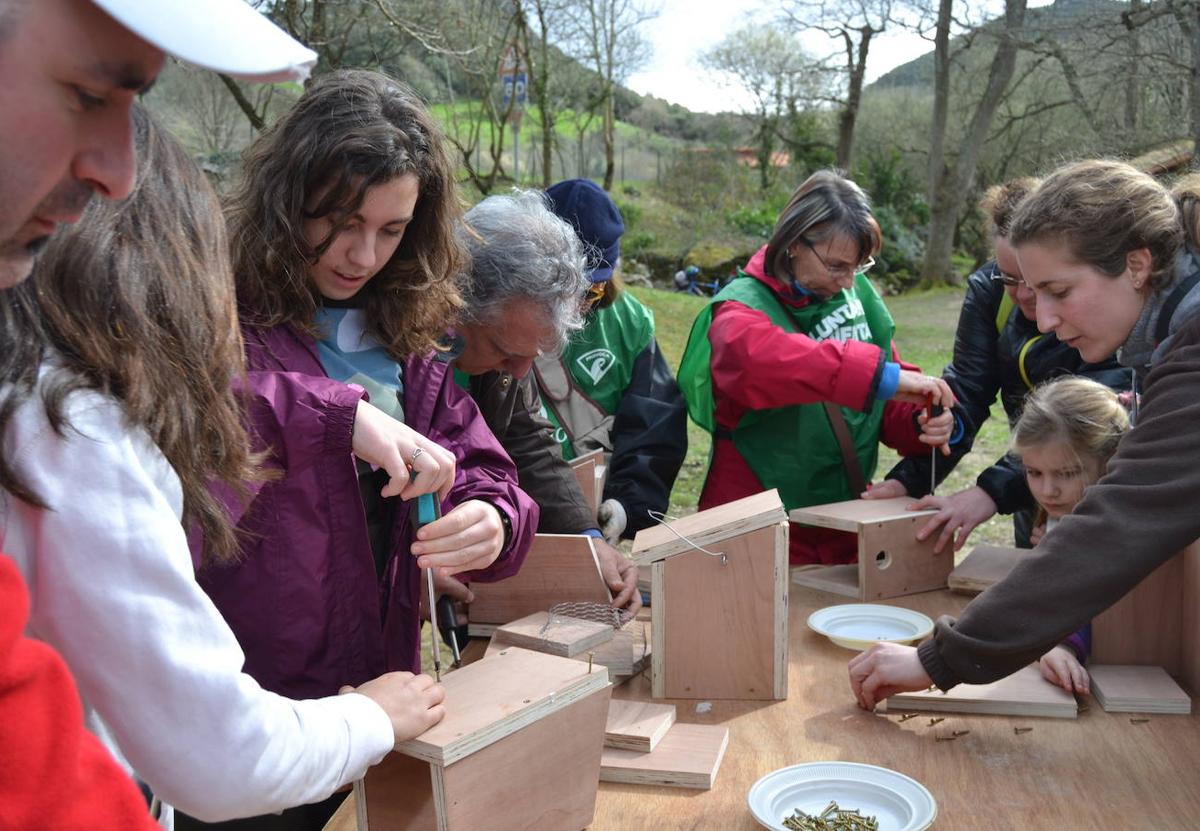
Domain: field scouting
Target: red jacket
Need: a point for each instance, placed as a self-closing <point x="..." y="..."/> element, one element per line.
<point x="53" y="773"/>
<point x="756" y="366"/>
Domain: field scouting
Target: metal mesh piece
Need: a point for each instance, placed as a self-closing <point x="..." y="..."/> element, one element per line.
<point x="595" y="612"/>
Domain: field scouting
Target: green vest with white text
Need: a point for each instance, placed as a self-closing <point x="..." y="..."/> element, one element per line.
<point x="793" y="448"/>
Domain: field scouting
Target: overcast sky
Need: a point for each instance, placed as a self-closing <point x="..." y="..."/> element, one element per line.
<point x="685" y="29"/>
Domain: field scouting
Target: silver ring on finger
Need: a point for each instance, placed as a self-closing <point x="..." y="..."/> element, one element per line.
<point x="416" y="454"/>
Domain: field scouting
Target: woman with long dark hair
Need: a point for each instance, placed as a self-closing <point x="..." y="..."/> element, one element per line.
<point x="117" y="417"/>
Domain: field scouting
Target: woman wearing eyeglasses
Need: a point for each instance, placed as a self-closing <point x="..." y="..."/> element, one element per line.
<point x="997" y="350"/>
<point x="797" y="350"/>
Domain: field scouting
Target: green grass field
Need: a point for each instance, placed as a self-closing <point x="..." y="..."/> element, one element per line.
<point x="925" y="323"/>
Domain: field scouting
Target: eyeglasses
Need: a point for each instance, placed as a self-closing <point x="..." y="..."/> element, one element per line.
<point x="840" y="270"/>
<point x="1008" y="279"/>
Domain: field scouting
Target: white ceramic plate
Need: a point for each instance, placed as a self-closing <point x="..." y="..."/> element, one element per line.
<point x="858" y="625"/>
<point x="898" y="802"/>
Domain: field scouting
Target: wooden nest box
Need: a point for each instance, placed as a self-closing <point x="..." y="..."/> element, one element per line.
<point x="892" y="562"/>
<point x="719" y="623"/>
<point x="519" y="748"/>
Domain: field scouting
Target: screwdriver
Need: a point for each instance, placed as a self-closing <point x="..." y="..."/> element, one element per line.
<point x="930" y="412"/>
<point x="428" y="510"/>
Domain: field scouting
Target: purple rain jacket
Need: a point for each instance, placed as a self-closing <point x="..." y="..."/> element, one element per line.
<point x="304" y="600"/>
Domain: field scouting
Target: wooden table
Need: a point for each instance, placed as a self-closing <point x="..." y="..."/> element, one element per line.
<point x="1098" y="771"/>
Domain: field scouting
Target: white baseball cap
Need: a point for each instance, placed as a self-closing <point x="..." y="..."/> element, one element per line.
<point x="223" y="35"/>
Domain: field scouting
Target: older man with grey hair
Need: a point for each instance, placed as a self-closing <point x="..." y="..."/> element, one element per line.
<point x="524" y="297"/>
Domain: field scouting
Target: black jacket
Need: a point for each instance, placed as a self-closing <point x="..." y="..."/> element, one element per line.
<point x="1010" y="359"/>
<point x="513" y="409"/>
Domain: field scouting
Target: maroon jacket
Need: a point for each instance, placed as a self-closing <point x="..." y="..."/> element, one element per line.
<point x="304" y="601"/>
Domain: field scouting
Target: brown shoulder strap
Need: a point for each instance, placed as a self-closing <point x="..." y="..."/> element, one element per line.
<point x="841" y="432"/>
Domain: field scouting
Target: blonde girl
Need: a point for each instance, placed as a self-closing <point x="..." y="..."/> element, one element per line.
<point x="1068" y="431"/>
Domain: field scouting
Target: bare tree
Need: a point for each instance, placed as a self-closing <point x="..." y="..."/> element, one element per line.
<point x="779" y="76"/>
<point x="951" y="181"/>
<point x="607" y="39"/>
<point x="853" y="24"/>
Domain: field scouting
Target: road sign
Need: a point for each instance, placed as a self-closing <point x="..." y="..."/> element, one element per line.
<point x="515" y="84"/>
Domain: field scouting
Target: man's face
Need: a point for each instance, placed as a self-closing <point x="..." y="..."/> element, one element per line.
<point x="509" y="345"/>
<point x="69" y="75"/>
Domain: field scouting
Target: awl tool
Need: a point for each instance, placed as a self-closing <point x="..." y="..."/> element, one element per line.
<point x="428" y="510"/>
<point x="930" y="412"/>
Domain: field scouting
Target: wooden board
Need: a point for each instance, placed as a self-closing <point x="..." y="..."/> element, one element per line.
<point x="1024" y="693"/>
<point x="558" y="568"/>
<point x="689" y="756"/>
<point x="840" y="580"/>
<point x="557" y="635"/>
<point x="637" y="725"/>
<point x="892" y="562"/>
<point x="707" y="528"/>
<point x="498" y="695"/>
<point x="1134" y="689"/>
<point x="720" y="630"/>
<point x="625" y="655"/>
<point x="543" y="776"/>
<point x="1189" y="642"/>
<point x="396" y="795"/>
<point x="985" y="566"/>
<point x="586" y="468"/>
<point x="1097" y="771"/>
<point x="853" y="514"/>
<point x="1145" y="627"/>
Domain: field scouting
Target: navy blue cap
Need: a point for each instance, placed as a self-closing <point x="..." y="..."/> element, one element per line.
<point x="596" y="220"/>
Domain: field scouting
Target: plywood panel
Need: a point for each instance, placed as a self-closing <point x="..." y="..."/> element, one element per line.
<point x="984" y="567"/>
<point x="1025" y="693"/>
<point x="1145" y="627"/>
<point x="637" y="725"/>
<point x="396" y="795"/>
<point x="689" y="756"/>
<point x="586" y="473"/>
<point x="1189" y="641"/>
<point x="892" y="562"/>
<point x="853" y="514"/>
<point x="1125" y="689"/>
<point x="707" y="528"/>
<point x="544" y="776"/>
<point x="498" y="695"/>
<point x="841" y="580"/>
<point x="555" y="635"/>
<point x="558" y="568"/>
<point x="720" y="623"/>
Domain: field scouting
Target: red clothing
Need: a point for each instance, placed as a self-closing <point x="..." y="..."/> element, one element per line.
<point x="53" y="773"/>
<point x="756" y="366"/>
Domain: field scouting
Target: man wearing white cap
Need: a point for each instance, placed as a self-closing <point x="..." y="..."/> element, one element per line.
<point x="69" y="73"/>
<point x="71" y="70"/>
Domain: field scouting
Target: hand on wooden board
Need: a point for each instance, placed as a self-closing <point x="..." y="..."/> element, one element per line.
<point x="621" y="575"/>
<point x="887" y="489"/>
<point x="413" y="703"/>
<point x="469" y="537"/>
<point x="1060" y="667"/>
<point x="957" y="515"/>
<point x="884" y="670"/>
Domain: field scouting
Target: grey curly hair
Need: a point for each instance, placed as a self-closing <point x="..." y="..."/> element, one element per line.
<point x="520" y="251"/>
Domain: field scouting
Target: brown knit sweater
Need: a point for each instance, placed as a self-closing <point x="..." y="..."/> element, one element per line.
<point x="1144" y="510"/>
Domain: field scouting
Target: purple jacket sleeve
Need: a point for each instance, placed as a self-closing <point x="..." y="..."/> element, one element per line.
<point x="485" y="471"/>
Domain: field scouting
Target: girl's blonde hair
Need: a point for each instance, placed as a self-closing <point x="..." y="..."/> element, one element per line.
<point x="1084" y="415"/>
<point x="1102" y="210"/>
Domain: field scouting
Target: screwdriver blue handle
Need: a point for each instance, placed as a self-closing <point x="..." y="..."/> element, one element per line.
<point x="427" y="508"/>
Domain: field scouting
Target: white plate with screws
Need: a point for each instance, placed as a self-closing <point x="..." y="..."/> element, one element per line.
<point x="858" y="625"/>
<point x="897" y="802"/>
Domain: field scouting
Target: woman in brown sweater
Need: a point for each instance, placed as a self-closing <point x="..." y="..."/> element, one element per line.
<point x="1107" y="251"/>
